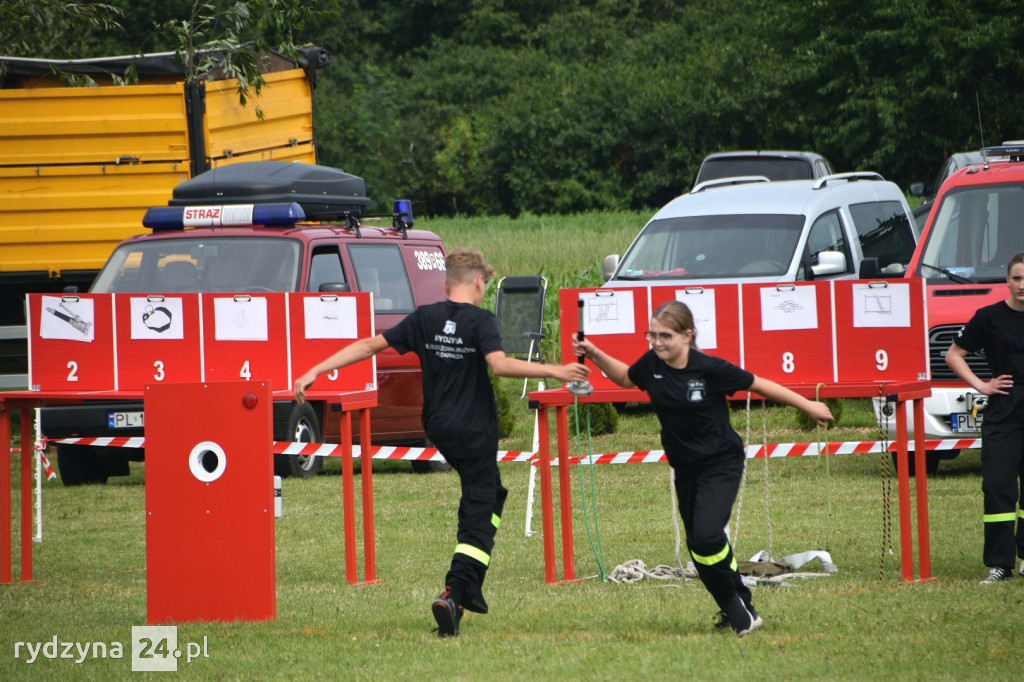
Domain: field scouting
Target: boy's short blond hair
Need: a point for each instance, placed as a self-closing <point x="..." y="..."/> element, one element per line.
<point x="464" y="264"/>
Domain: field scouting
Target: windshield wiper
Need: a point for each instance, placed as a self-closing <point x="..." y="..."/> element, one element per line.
<point x="959" y="279"/>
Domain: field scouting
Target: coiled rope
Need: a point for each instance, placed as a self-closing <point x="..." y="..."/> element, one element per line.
<point x="636" y="570"/>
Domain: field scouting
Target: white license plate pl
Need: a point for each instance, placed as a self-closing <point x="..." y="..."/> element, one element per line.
<point x="965" y="422"/>
<point x="125" y="420"/>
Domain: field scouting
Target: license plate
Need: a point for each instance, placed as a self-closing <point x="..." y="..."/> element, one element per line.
<point x="964" y="422"/>
<point x="125" y="420"/>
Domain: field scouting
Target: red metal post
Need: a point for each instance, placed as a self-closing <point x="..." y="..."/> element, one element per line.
<point x="903" y="481"/>
<point x="565" y="493"/>
<point x="26" y="494"/>
<point x="366" y="473"/>
<point x="923" y="543"/>
<point x="348" y="497"/>
<point x="547" y="512"/>
<point x="6" y="503"/>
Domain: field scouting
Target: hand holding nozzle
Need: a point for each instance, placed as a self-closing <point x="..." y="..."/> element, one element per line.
<point x="580" y="387"/>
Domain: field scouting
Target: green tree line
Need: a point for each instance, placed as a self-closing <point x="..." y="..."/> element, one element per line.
<point x="485" y="107"/>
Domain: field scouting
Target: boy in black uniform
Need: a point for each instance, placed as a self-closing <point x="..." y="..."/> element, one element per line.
<point x="457" y="341"/>
<point x="999" y="329"/>
<point x="687" y="389"/>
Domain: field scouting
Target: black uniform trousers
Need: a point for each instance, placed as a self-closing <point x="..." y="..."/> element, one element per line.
<point x="706" y="494"/>
<point x="1002" y="470"/>
<point x="480" y="508"/>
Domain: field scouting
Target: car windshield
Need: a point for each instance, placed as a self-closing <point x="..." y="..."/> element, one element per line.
<point x="215" y="264"/>
<point x="773" y="168"/>
<point x="975" y="232"/>
<point x="713" y="246"/>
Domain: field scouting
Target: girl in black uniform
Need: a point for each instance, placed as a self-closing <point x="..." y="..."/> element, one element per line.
<point x="999" y="329"/>
<point x="687" y="389"/>
<point x="457" y="341"/>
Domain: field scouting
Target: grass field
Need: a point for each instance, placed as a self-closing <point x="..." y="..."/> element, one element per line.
<point x="862" y="623"/>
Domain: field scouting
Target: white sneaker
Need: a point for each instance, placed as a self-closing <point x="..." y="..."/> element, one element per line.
<point x="755" y="622"/>
<point x="1021" y="571"/>
<point x="997" y="575"/>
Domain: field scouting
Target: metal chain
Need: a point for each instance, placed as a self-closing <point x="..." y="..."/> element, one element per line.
<point x="886" y="462"/>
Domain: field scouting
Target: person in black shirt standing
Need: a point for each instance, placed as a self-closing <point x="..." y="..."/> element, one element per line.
<point x="457" y="341"/>
<point x="999" y="330"/>
<point x="687" y="389"/>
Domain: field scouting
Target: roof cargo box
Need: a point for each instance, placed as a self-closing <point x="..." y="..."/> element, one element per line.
<point x="321" y="191"/>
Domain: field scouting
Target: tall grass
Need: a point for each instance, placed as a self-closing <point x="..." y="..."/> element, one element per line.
<point x="566" y="250"/>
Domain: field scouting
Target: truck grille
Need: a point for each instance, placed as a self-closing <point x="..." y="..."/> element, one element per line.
<point x="939" y="339"/>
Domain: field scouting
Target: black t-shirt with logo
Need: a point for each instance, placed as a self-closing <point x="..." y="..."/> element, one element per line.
<point x="999" y="329"/>
<point x="691" y="405"/>
<point x="452" y="340"/>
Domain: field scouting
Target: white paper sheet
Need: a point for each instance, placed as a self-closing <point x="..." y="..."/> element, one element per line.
<point x="701" y="303"/>
<point x="157" y="317"/>
<point x="240" y="318"/>
<point x="608" y="312"/>
<point x="881" y="304"/>
<point x="788" y="307"/>
<point x="330" y="317"/>
<point x="67" y="317"/>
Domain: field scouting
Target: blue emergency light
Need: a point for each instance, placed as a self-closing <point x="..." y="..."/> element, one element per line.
<point x="1014" y="150"/>
<point x="165" y="218"/>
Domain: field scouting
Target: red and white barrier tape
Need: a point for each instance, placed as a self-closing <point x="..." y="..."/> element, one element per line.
<point x="640" y="456"/>
<point x="40" y="449"/>
<point x="789" y="450"/>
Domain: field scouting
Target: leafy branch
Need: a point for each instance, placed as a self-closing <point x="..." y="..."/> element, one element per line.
<point x="249" y="31"/>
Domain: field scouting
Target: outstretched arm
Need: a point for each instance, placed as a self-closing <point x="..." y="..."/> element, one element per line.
<point x="504" y="366"/>
<point x="363" y="349"/>
<point x="613" y="368"/>
<point x="956" y="358"/>
<point x="817" y="411"/>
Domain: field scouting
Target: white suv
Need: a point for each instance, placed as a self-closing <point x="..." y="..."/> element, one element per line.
<point x="840" y="226"/>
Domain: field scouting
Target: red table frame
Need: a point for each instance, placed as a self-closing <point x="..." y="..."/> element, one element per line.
<point x="898" y="392"/>
<point x="25" y="401"/>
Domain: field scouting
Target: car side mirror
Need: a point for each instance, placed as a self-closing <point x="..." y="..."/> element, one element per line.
<point x="610" y="264"/>
<point x="829" y="263"/>
<point x="917" y="189"/>
<point x="869" y="269"/>
<point x="334" y="288"/>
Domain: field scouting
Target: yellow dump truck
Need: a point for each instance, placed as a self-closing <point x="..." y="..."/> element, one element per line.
<point x="79" y="166"/>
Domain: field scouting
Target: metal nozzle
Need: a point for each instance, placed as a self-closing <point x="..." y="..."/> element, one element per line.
<point x="580" y="387"/>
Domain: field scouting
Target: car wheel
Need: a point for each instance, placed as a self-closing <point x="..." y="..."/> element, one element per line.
<point x="303" y="427"/>
<point x="79" y="464"/>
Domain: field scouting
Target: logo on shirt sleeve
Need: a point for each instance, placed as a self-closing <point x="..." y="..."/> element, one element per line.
<point x="695" y="390"/>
